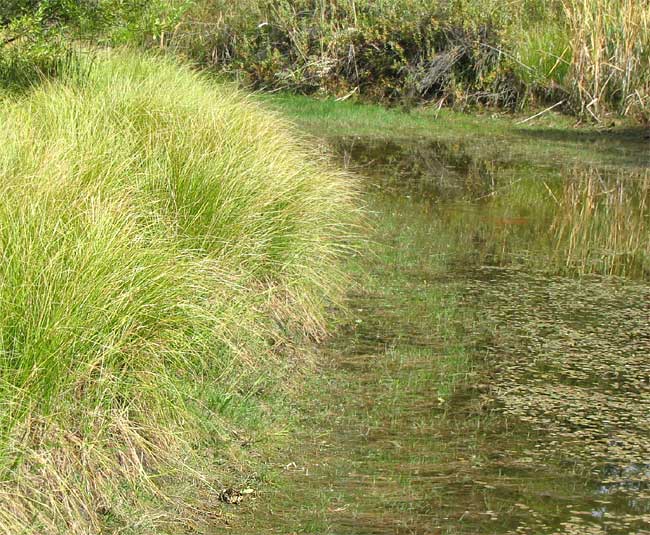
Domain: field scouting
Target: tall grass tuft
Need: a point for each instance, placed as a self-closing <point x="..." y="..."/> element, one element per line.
<point x="156" y="233"/>
<point x="610" y="41"/>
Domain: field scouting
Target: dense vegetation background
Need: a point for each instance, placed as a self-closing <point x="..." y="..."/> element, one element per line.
<point x="39" y="37"/>
<point x="591" y="56"/>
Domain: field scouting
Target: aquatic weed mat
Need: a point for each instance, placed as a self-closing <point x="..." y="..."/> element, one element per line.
<point x="569" y="361"/>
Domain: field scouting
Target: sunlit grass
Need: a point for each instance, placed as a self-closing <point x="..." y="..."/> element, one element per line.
<point x="610" y="42"/>
<point x="589" y="55"/>
<point x="157" y="233"/>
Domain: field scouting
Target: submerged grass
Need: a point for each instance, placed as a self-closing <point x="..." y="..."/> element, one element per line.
<point x="371" y="422"/>
<point x="453" y="402"/>
<point x="161" y="240"/>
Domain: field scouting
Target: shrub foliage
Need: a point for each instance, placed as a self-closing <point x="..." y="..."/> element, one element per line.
<point x="590" y="55"/>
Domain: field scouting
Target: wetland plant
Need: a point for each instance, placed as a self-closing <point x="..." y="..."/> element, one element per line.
<point x="158" y="236"/>
<point x="610" y="49"/>
<point x="589" y="55"/>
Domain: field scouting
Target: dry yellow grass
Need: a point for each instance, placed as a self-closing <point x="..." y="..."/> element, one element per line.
<point x="610" y="42"/>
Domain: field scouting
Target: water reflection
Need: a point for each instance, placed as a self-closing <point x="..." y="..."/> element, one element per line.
<point x="494" y="377"/>
<point x="555" y="258"/>
<point x="574" y="219"/>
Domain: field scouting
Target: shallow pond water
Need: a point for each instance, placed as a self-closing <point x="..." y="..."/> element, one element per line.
<point x="494" y="376"/>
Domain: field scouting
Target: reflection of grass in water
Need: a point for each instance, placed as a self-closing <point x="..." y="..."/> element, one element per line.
<point x="586" y="222"/>
<point x="407" y="275"/>
<point x="513" y="194"/>
<point x="576" y="220"/>
<point x="504" y="188"/>
<point x="396" y="390"/>
<point x="602" y="223"/>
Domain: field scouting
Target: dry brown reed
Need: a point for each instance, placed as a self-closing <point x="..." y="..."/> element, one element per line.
<point x="610" y="41"/>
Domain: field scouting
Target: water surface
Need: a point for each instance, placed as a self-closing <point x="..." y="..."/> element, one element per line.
<point x="494" y="376"/>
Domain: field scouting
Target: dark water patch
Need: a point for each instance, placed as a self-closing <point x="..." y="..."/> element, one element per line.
<point x="437" y="170"/>
<point x="623" y="146"/>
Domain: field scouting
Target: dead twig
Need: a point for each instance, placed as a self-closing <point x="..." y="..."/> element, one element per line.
<point x="542" y="112"/>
